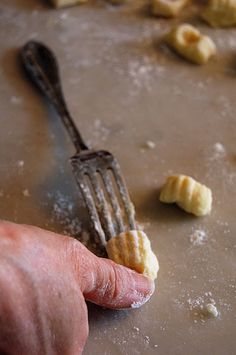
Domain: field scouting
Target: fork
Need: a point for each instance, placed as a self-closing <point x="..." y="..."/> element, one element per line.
<point x="97" y="172"/>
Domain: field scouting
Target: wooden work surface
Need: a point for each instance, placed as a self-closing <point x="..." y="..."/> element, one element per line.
<point x="124" y="89"/>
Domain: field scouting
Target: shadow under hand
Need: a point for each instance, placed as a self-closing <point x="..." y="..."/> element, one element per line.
<point x="104" y="316"/>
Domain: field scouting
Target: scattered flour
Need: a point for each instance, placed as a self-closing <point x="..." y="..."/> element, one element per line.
<point x="198" y="302"/>
<point x="62" y="214"/>
<point x="216" y="152"/>
<point x="26" y="193"/>
<point x="219" y="151"/>
<point x="203" y="307"/>
<point x="16" y="100"/>
<point x="150" y="144"/>
<point x="142" y="301"/>
<point x="142" y="71"/>
<point x="20" y="163"/>
<point x="218" y="164"/>
<point x="64" y="16"/>
<point x="198" y="237"/>
<point x="100" y="132"/>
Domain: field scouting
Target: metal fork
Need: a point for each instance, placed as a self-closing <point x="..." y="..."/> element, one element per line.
<point x="97" y="173"/>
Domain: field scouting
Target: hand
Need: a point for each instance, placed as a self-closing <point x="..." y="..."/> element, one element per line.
<point x="44" y="281"/>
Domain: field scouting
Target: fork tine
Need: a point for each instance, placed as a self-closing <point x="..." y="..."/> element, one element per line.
<point x="102" y="206"/>
<point x="115" y="205"/>
<point x="129" y="209"/>
<point x="104" y="197"/>
<point x="91" y="208"/>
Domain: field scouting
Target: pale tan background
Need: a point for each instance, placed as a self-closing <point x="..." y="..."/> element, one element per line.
<point x="123" y="89"/>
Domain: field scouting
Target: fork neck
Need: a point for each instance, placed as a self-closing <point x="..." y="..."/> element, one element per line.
<point x="69" y="124"/>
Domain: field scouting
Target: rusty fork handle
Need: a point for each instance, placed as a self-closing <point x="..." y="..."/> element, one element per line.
<point x="41" y="65"/>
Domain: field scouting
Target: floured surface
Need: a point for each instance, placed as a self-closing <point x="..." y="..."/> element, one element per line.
<point x="124" y="90"/>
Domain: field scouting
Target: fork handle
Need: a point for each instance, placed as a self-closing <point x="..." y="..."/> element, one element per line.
<point x="41" y="65"/>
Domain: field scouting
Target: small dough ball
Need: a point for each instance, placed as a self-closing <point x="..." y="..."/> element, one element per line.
<point x="167" y="8"/>
<point x="133" y="250"/>
<point x="212" y="310"/>
<point x="220" y="13"/>
<point x="187" y="41"/>
<point x="63" y="3"/>
<point x="188" y="194"/>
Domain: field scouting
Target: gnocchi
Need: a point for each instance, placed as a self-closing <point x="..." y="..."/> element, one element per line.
<point x="191" y="44"/>
<point x="220" y="13"/>
<point x="167" y="8"/>
<point x="133" y="250"/>
<point x="62" y="3"/>
<point x="188" y="194"/>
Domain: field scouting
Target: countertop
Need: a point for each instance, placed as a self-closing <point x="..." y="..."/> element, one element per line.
<point x="124" y="88"/>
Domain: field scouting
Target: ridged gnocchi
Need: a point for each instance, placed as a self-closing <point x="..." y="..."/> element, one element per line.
<point x="191" y="44"/>
<point x="220" y="13"/>
<point x="133" y="250"/>
<point x="188" y="194"/>
<point x="167" y="8"/>
<point x="63" y="3"/>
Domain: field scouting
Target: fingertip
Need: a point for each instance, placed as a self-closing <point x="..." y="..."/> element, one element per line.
<point x="144" y="283"/>
<point x="143" y="290"/>
<point x="117" y="287"/>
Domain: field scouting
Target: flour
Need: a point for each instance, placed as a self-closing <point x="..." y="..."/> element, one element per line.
<point x="20" y="163"/>
<point x="150" y="144"/>
<point x="203" y="307"/>
<point x="142" y="301"/>
<point x="64" y="16"/>
<point x="142" y="72"/>
<point x="198" y="237"/>
<point x="218" y="163"/>
<point x="26" y="193"/>
<point x="219" y="151"/>
<point x="216" y="153"/>
<point x="15" y="100"/>
<point x="226" y="109"/>
<point x="62" y="213"/>
<point x="100" y="132"/>
<point x="195" y="303"/>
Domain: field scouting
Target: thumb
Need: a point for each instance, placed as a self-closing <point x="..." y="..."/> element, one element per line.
<point x="111" y="285"/>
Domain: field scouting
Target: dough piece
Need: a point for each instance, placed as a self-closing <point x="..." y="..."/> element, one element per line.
<point x="167" y="8"/>
<point x="212" y="310"/>
<point x="133" y="250"/>
<point x="188" y="194"/>
<point x="220" y="13"/>
<point x="191" y="44"/>
<point x="62" y="3"/>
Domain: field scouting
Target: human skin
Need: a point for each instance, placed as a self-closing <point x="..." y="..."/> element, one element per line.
<point x="45" y="279"/>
